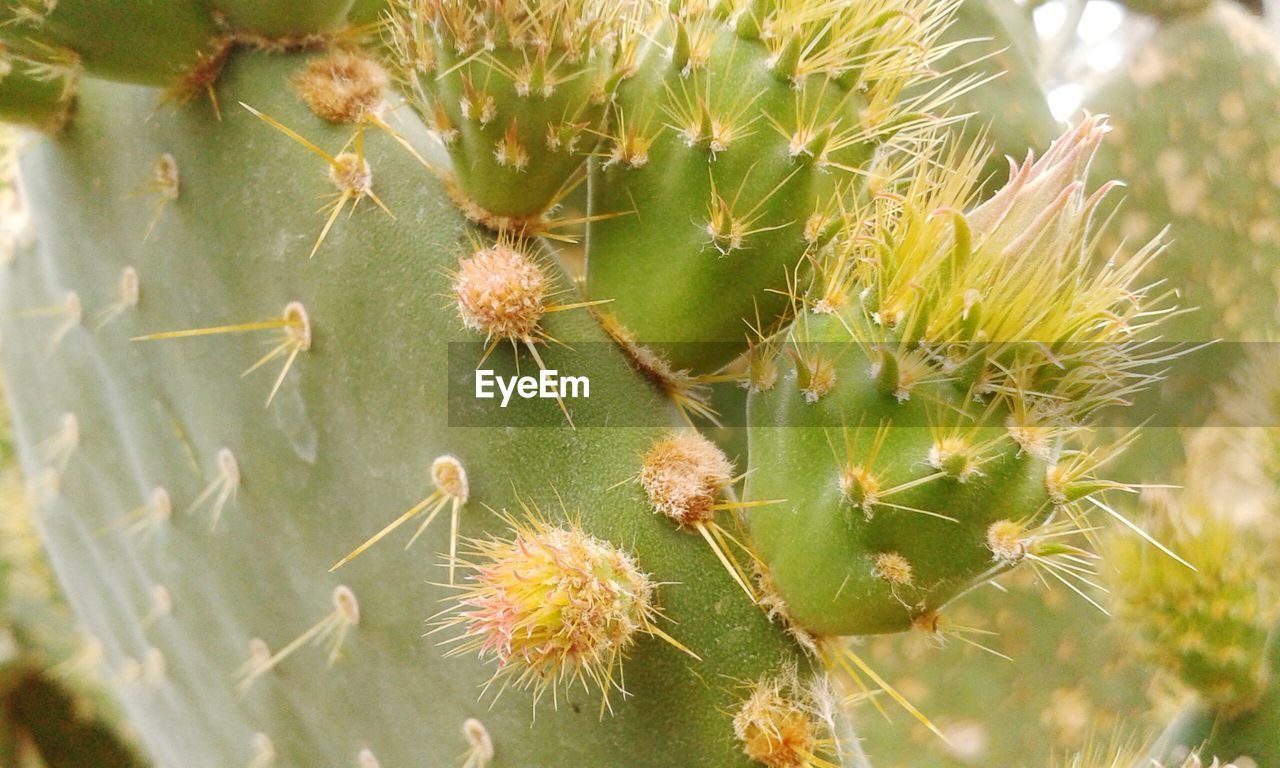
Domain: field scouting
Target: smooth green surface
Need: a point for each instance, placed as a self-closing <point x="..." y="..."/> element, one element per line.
<point x="368" y="11"/>
<point x="285" y="18"/>
<point x="1168" y="8"/>
<point x="53" y="699"/>
<point x="344" y="448"/>
<point x="28" y="97"/>
<point x="1010" y="111"/>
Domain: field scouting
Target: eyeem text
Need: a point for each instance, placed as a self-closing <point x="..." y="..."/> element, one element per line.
<point x="548" y="384"/>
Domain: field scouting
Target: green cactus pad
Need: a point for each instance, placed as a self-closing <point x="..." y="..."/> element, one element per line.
<point x="725" y="156"/>
<point x="343" y="449"/>
<point x="1010" y="109"/>
<point x="858" y="494"/>
<point x="155" y="42"/>
<point x="516" y="92"/>
<point x="285" y="18"/>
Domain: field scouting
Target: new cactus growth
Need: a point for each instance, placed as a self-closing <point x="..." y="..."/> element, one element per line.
<point x="631" y="194"/>
<point x="920" y="437"/>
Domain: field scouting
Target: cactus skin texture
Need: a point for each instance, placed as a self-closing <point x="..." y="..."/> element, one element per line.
<point x="377" y="295"/>
<point x="54" y="706"/>
<point x="519" y="96"/>
<point x="294" y="18"/>
<point x="143" y="41"/>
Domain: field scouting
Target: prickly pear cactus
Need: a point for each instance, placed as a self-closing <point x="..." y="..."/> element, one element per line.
<point x="733" y="146"/>
<point x="1191" y="105"/>
<point x="1214" y="632"/>
<point x="306" y="451"/>
<point x="919" y="448"/>
<point x="255" y="432"/>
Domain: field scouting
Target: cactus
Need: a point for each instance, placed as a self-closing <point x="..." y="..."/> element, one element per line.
<point x="384" y="621"/>
<point x="1217" y="631"/>
<point x="1208" y="82"/>
<point x="55" y="709"/>
<point x="883" y="524"/>
<point x="773" y="110"/>
<point x="1191" y="106"/>
<point x="588" y="579"/>
<point x="1199" y="87"/>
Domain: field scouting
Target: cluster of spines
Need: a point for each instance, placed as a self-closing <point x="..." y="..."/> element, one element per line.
<point x="781" y="724"/>
<point x="937" y="287"/>
<point x="554" y="606"/>
<point x="516" y="92"/>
